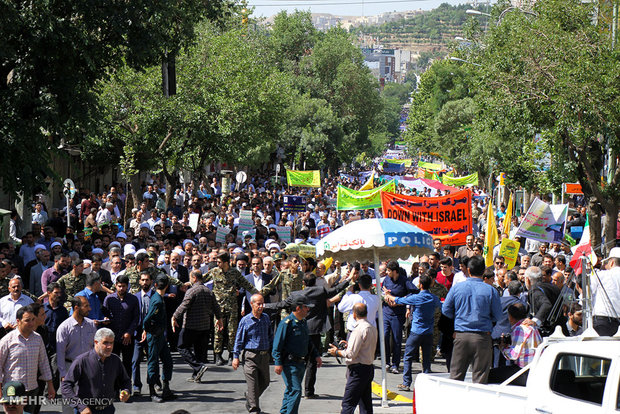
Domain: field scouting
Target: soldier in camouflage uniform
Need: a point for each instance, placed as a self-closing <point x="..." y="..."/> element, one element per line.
<point x="5" y="269"/>
<point x="73" y="282"/>
<point x="143" y="264"/>
<point x="226" y="282"/>
<point x="440" y="291"/>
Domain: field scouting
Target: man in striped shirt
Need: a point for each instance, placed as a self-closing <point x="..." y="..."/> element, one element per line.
<point x="525" y="337"/>
<point x="22" y="357"/>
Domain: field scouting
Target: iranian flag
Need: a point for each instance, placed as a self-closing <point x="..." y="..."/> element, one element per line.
<point x="584" y="248"/>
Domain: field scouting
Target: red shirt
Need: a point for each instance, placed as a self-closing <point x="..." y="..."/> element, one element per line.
<point x="445" y="280"/>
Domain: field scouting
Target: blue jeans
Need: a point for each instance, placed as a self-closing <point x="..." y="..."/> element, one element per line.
<point x="292" y="374"/>
<point x="413" y="343"/>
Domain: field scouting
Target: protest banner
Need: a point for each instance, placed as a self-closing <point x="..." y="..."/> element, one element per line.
<point x="392" y="168"/>
<point x="430" y="166"/>
<point x="509" y="249"/>
<point x="303" y="178"/>
<point x="220" y="234"/>
<point x="447" y="218"/>
<point x="193" y="221"/>
<point x="573" y="188"/>
<point x="490" y="236"/>
<point x="407" y="162"/>
<point x="370" y="183"/>
<point x="294" y="203"/>
<point x="284" y="233"/>
<point x="544" y="222"/>
<point x="467" y="180"/>
<point x="349" y="199"/>
<point x="246" y="223"/>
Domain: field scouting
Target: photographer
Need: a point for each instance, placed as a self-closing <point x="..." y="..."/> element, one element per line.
<point x="521" y="346"/>
<point x="359" y="355"/>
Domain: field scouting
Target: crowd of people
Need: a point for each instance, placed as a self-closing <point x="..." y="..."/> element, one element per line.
<point x="113" y="289"/>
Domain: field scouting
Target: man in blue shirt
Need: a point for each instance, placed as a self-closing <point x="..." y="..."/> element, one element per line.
<point x="93" y="285"/>
<point x="423" y="307"/>
<point x="254" y="338"/>
<point x="397" y="285"/>
<point x="475" y="306"/>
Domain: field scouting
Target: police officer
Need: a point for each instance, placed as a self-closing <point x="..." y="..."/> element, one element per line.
<point x="226" y="282"/>
<point x="154" y="326"/>
<point x="290" y="347"/>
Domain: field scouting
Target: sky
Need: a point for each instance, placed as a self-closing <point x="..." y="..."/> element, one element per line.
<point x="266" y="8"/>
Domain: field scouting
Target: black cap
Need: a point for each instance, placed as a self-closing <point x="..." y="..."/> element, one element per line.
<point x="12" y="392"/>
<point x="302" y="300"/>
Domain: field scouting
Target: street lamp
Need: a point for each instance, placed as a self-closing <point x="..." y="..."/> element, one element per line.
<point x="464" y="61"/>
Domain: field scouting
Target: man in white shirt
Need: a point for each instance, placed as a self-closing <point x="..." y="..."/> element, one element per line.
<point x="606" y="295"/>
<point x="364" y="296"/>
<point x="10" y="303"/>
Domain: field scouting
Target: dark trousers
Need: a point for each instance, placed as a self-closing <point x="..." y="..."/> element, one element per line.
<point x="358" y="389"/>
<point x="125" y="352"/>
<point x="292" y="374"/>
<point x="414" y="342"/>
<point x="475" y="348"/>
<point x="140" y="349"/>
<point x="32" y="408"/>
<point x="256" y="370"/>
<point x="311" y="364"/>
<point x="605" y="326"/>
<point x="393" y="328"/>
<point x="158" y="349"/>
<point x="193" y="347"/>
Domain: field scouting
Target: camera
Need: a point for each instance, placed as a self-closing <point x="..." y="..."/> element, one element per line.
<point x="505" y="339"/>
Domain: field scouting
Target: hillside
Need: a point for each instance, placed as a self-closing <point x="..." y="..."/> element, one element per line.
<point x="430" y="31"/>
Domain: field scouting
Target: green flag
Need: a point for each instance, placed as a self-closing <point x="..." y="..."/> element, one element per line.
<point x="303" y="178"/>
<point x="349" y="199"/>
<point x="467" y="180"/>
<point x="429" y="166"/>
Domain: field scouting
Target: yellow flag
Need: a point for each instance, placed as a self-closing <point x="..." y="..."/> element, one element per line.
<point x="490" y="239"/>
<point x="370" y="184"/>
<point x="508" y="217"/>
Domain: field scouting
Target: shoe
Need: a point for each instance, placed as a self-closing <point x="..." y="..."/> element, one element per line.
<point x="191" y="379"/>
<point x="394" y="370"/>
<point x="137" y="392"/>
<point x="219" y="361"/>
<point x="167" y="394"/>
<point x="403" y="387"/>
<point x="153" y="394"/>
<point x="200" y="373"/>
<point x="312" y="397"/>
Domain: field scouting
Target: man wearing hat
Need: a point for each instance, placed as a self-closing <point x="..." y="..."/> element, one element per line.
<point x="105" y="214"/>
<point x="290" y="348"/>
<point x="12" y="397"/>
<point x="606" y="295"/>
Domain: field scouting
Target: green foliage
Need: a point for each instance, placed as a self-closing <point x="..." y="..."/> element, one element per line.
<point x="54" y="52"/>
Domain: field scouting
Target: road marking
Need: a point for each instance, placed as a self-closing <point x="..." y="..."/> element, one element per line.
<point x="391" y="395"/>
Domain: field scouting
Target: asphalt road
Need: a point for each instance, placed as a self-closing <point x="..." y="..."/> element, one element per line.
<point x="222" y="391"/>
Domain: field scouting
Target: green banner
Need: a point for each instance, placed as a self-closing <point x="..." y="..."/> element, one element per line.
<point x="303" y="178"/>
<point x="471" y="179"/>
<point x="349" y="199"/>
<point x="401" y="143"/>
<point x="407" y="162"/>
<point x="430" y="166"/>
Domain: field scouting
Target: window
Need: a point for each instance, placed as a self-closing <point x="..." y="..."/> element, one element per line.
<point x="581" y="377"/>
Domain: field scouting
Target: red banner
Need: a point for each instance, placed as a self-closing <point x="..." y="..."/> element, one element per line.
<point x="447" y="218"/>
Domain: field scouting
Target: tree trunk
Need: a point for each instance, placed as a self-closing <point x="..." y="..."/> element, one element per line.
<point x="594" y="214"/>
<point x="129" y="205"/>
<point x="134" y="181"/>
<point x="170" y="186"/>
<point x="611" y="221"/>
<point x="527" y="200"/>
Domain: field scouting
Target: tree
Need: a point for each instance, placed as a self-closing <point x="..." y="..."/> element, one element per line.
<point x="562" y="71"/>
<point x="52" y="55"/>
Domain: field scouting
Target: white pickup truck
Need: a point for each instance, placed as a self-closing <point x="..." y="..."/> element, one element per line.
<point x="569" y="375"/>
